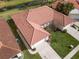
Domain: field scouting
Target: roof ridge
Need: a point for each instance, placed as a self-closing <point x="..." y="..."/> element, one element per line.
<point x="35" y="25"/>
<point x="33" y="30"/>
<point x="31" y="26"/>
<point x="36" y="28"/>
<point x="11" y="48"/>
<point x="1" y="44"/>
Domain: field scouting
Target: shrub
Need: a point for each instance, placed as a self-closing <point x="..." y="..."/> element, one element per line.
<point x="65" y="8"/>
<point x="64" y="31"/>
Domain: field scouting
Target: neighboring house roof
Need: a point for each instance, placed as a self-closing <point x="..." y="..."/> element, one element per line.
<point x="29" y="22"/>
<point x="8" y="44"/>
<point x="31" y="31"/>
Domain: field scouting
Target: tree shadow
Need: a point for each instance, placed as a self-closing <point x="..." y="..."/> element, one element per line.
<point x="14" y="30"/>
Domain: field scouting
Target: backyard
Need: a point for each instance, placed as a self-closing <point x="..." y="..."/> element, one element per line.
<point x="7" y="13"/>
<point x="12" y="3"/>
<point x="61" y="42"/>
<point x="8" y="8"/>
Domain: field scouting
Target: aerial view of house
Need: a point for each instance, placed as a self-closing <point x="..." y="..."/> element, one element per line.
<point x="37" y="19"/>
<point x="39" y="29"/>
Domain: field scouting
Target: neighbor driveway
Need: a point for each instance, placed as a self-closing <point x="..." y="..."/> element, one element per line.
<point x="46" y="52"/>
<point x="73" y="32"/>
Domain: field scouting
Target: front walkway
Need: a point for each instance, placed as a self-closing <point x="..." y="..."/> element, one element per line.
<point x="72" y="53"/>
<point x="46" y="52"/>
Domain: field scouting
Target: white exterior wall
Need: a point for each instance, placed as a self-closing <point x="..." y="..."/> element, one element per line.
<point x="46" y="24"/>
<point x="67" y="26"/>
<point x="74" y="16"/>
<point x="19" y="56"/>
<point x="76" y="23"/>
<point x="44" y="39"/>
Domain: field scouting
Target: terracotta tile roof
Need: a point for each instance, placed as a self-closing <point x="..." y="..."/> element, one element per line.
<point x="40" y="15"/>
<point x="8" y="45"/>
<point x="29" y="22"/>
<point x="28" y="29"/>
<point x="58" y="19"/>
<point x="6" y="53"/>
<point x="39" y="33"/>
<point x="68" y="20"/>
<point x="61" y="20"/>
<point x="24" y="26"/>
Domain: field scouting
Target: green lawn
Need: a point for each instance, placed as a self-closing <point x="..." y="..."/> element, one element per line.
<point x="76" y="56"/>
<point x="13" y="3"/>
<point x="7" y="13"/>
<point x="29" y="56"/>
<point x="61" y="42"/>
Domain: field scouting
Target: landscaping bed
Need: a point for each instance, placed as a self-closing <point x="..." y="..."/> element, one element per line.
<point x="61" y="42"/>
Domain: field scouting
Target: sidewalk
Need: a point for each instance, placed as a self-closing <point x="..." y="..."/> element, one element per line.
<point x="46" y="52"/>
<point x="72" y="53"/>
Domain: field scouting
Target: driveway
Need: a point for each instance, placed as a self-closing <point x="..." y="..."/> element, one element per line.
<point x="46" y="52"/>
<point x="73" y="32"/>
